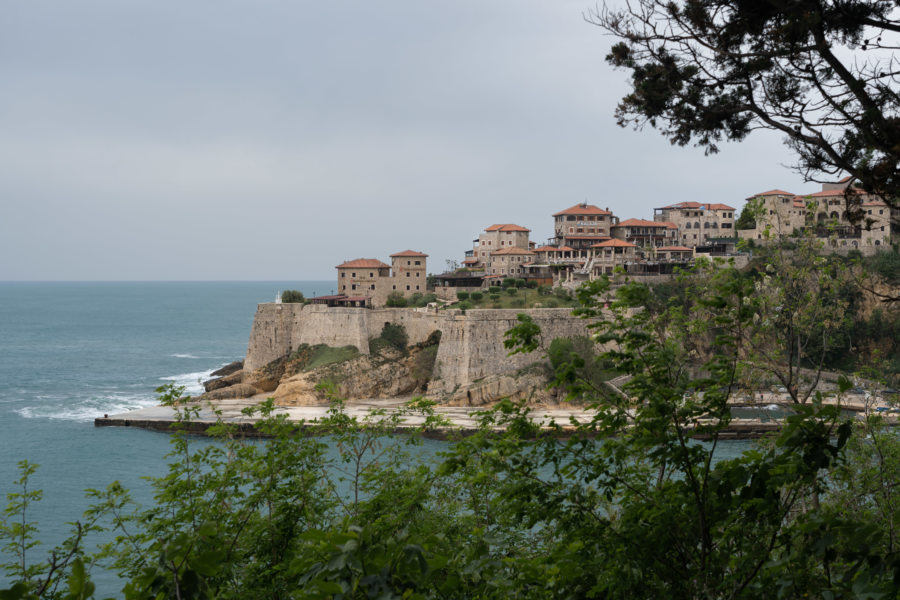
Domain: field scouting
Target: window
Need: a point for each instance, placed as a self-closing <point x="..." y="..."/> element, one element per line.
<point x="407" y="288"/>
<point x="343" y="273"/>
<point x="696" y="224"/>
<point x="371" y="274"/>
<point x="407" y="263"/>
<point x="352" y="274"/>
<point x="372" y="287"/>
<point x="706" y="225"/>
<point x="353" y="287"/>
<point x="345" y="287"/>
<point x="417" y="287"/>
<point x="687" y="226"/>
<point x="407" y="273"/>
<point x="394" y="287"/>
<point x="418" y="262"/>
<point x="417" y="273"/>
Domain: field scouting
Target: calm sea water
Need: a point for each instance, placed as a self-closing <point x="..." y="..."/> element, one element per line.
<point x="70" y="352"/>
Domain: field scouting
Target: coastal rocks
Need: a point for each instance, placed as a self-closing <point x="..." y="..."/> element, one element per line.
<point x="528" y="386"/>
<point x="386" y="374"/>
<point x="223" y="382"/>
<point x="228" y="369"/>
<point x="240" y="390"/>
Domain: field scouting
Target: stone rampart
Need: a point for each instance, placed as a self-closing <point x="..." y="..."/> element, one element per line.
<point x="471" y="347"/>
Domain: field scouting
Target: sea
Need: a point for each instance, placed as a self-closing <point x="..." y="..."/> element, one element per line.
<point x="73" y="351"/>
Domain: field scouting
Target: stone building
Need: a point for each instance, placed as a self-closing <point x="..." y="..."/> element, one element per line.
<point x="368" y="281"/>
<point x="408" y="272"/>
<point x="366" y="277"/>
<point x="582" y="226"/>
<point x="646" y="234"/>
<point x="496" y="237"/>
<point x="510" y="261"/>
<point x="611" y="254"/>
<point x="697" y="221"/>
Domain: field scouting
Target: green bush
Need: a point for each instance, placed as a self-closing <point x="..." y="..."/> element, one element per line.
<point x="561" y="292"/>
<point x="520" y="283"/>
<point x="462" y="295"/>
<point x="392" y="336"/>
<point x="415" y="299"/>
<point x="509" y="282"/>
<point x="476" y="296"/>
<point x="494" y="289"/>
<point x="292" y="297"/>
<point x="531" y="284"/>
<point x="395" y="300"/>
<point x="512" y="291"/>
<point x="495" y="297"/>
<point x="464" y="305"/>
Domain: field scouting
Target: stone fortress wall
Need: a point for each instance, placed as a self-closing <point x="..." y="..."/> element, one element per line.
<point x="471" y="350"/>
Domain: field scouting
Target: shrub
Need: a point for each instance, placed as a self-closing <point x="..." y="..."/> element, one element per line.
<point x="561" y="292"/>
<point x="415" y="299"/>
<point x="427" y="299"/>
<point x="531" y="284"/>
<point x="464" y="305"/>
<point x="509" y="282"/>
<point x="395" y="300"/>
<point x="462" y="295"/>
<point x="476" y="296"/>
<point x="544" y="290"/>
<point x="512" y="291"/>
<point x="293" y="297"/>
<point x="393" y="336"/>
<point x="494" y="289"/>
<point x="495" y="297"/>
<point x="519" y="283"/>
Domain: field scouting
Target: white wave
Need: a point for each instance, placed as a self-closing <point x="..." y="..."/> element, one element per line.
<point x="192" y="382"/>
<point x="185" y="356"/>
<point x="87" y="409"/>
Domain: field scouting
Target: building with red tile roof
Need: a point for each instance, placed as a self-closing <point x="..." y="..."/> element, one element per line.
<point x="374" y="280"/>
<point x="646" y="234"/>
<point x="697" y="221"/>
<point x="581" y="225"/>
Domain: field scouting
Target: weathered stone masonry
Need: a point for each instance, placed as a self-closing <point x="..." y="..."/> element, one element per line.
<point x="471" y="348"/>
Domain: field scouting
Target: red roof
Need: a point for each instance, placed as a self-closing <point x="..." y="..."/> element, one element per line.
<point x="614" y="244"/>
<point x="772" y="193"/>
<point x="546" y="249"/>
<point x="645" y="223"/>
<point x="363" y="263"/>
<point x="675" y="248"/>
<point x="511" y="250"/>
<point x="506" y="227"/>
<point x="583" y="209"/>
<point x="598" y="236"/>
<point x="409" y="253"/>
<point x="706" y="206"/>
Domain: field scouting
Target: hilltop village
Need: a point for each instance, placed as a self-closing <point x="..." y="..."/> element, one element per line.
<point x="590" y="241"/>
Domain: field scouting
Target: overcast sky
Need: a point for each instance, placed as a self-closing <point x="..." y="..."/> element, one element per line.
<point x="275" y="139"/>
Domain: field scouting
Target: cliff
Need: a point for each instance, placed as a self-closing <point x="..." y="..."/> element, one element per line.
<point x="470" y="365"/>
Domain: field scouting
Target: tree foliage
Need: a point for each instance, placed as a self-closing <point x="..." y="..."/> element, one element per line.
<point x="821" y="72"/>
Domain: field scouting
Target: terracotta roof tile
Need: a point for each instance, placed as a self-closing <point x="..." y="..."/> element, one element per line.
<point x="705" y="206"/>
<point x="583" y="209"/>
<point x="614" y="244"/>
<point x="410" y="253"/>
<point x="363" y="263"/>
<point x="772" y="193"/>
<point x="506" y="227"/>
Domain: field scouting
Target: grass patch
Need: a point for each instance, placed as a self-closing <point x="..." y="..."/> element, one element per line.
<point x="523" y="298"/>
<point x="307" y="358"/>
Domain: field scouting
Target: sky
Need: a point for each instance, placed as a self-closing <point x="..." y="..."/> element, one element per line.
<point x="275" y="139"/>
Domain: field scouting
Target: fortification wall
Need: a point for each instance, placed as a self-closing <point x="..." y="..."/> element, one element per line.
<point x="472" y="350"/>
<point x="270" y="335"/>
